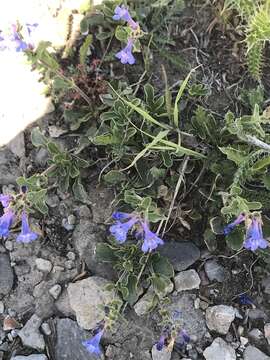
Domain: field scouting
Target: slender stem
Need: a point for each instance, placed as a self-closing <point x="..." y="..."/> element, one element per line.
<point x="257" y="142"/>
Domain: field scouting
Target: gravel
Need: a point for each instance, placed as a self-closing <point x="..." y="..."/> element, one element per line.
<point x="219" y="318"/>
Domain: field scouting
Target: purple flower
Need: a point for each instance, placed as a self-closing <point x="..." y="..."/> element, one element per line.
<point x="121" y="13"/>
<point x="92" y="345"/>
<point x="26" y="235"/>
<point x="5" y="222"/>
<point x="183" y="338"/>
<point x="254" y="237"/>
<point x="229" y="228"/>
<point x="120" y="230"/>
<point x="5" y="200"/>
<point x="125" y="55"/>
<point x="151" y="240"/>
<point x="133" y="24"/>
<point x="244" y="299"/>
<point x="14" y="42"/>
<point x="118" y="215"/>
<point x="161" y="342"/>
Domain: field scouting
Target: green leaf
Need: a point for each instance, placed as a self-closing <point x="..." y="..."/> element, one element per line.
<point x="132" y="290"/>
<point x="79" y="192"/>
<point x="159" y="284"/>
<point x="106" y="253"/>
<point x="210" y="240"/>
<point x="217" y="226"/>
<point x="122" y="33"/>
<point x="233" y="154"/>
<point x="85" y="49"/>
<point x="37" y="138"/>
<point x="53" y="148"/>
<point x="132" y="198"/>
<point x="114" y="177"/>
<point x="162" y="266"/>
<point x="235" y="239"/>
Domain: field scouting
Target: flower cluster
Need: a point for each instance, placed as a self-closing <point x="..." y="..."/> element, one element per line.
<point x="14" y="41"/>
<point x="125" y="55"/>
<point x="8" y="218"/>
<point x="254" y="236"/>
<point x="126" y="222"/>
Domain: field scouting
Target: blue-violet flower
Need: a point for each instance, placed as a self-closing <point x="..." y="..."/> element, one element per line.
<point x="5" y="200"/>
<point x="161" y="342"/>
<point x="229" y="228"/>
<point x="6" y="221"/>
<point x="254" y="237"/>
<point x="125" y="55"/>
<point x="26" y="235"/>
<point x="120" y="230"/>
<point x="151" y="240"/>
<point x="93" y="344"/>
<point x="118" y="215"/>
<point x="121" y="13"/>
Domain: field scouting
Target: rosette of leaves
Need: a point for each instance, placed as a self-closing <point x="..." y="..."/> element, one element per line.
<point x="64" y="166"/>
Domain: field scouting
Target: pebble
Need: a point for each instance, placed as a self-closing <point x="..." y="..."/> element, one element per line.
<point x="71" y="219"/>
<point x="46" y="329"/>
<point x="55" y="291"/>
<point x="71" y="255"/>
<point x="164" y="354"/>
<point x="6" y="275"/>
<point x="255" y="334"/>
<point x="257" y="314"/>
<point x="267" y="332"/>
<point x="214" y="271"/>
<point x="219" y="318"/>
<point x="243" y="340"/>
<point x="30" y="334"/>
<point x="252" y="353"/>
<point x="31" y="357"/>
<point x="66" y="225"/>
<point x="9" y="245"/>
<point x="266" y="285"/>
<point x="2" y="307"/>
<point x="187" y="280"/>
<point x="43" y="265"/>
<point x="69" y="264"/>
<point x="219" y="350"/>
<point x="181" y="254"/>
<point x="10" y="323"/>
<point x="84" y="212"/>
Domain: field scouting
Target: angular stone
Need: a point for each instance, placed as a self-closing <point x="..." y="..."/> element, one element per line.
<point x="86" y="298"/>
<point x="6" y="275"/>
<point x="252" y="353"/>
<point x="164" y="354"/>
<point x="30" y="334"/>
<point x="55" y="291"/>
<point x="17" y="145"/>
<point x="181" y="254"/>
<point x="219" y="318"/>
<point x="187" y="280"/>
<point x="9" y="171"/>
<point x="219" y="349"/>
<point x="69" y="341"/>
<point x="30" y="357"/>
<point x="214" y="271"/>
<point x="43" y="265"/>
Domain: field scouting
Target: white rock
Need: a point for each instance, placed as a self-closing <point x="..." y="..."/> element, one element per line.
<point x="252" y="353"/>
<point x="46" y="329"/>
<point x="43" y="265"/>
<point x="219" y="350"/>
<point x="55" y="291"/>
<point x="219" y="318"/>
<point x="30" y="335"/>
<point x="86" y="298"/>
<point x="164" y="354"/>
<point x="267" y="332"/>
<point x="187" y="280"/>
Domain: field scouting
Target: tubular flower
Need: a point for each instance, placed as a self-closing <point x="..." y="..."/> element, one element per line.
<point x="125" y="55"/>
<point x="229" y="228"/>
<point x="120" y="230"/>
<point x="13" y="41"/>
<point x="121" y="13"/>
<point x="93" y="344"/>
<point x="254" y="237"/>
<point x="151" y="240"/>
<point x="26" y="235"/>
<point x="118" y="215"/>
<point x="161" y="342"/>
<point x="5" y="200"/>
<point x="5" y="222"/>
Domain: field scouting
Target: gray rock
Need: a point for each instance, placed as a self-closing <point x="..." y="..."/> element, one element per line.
<point x="219" y="349"/>
<point x="46" y="329"/>
<point x="267" y="332"/>
<point x="164" y="354"/>
<point x="86" y="237"/>
<point x="63" y="306"/>
<point x="43" y="265"/>
<point x="191" y="319"/>
<point x="252" y="353"/>
<point x="30" y="334"/>
<point x="31" y="357"/>
<point x="144" y="305"/>
<point x="41" y="157"/>
<point x="257" y="314"/>
<point x="101" y="203"/>
<point x="255" y="335"/>
<point x="55" y="291"/>
<point x="214" y="271"/>
<point x="6" y="275"/>
<point x="86" y="298"/>
<point x="219" y="318"/>
<point x="17" y="145"/>
<point x="9" y="171"/>
<point x="187" y="280"/>
<point x="69" y="341"/>
<point x="181" y="254"/>
<point x="266" y="285"/>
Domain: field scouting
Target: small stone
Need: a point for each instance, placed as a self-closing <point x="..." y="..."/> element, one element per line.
<point x="6" y="275"/>
<point x="46" y="329"/>
<point x="243" y="340"/>
<point x="197" y="303"/>
<point x="181" y="254"/>
<point x="9" y="245"/>
<point x="2" y="307"/>
<point x="71" y="219"/>
<point x="255" y="335"/>
<point x="17" y="145"/>
<point x="84" y="212"/>
<point x="43" y="265"/>
<point x="219" y="349"/>
<point x="214" y="271"/>
<point x="266" y="285"/>
<point x="187" y="280"/>
<point x="31" y="357"/>
<point x="66" y="225"/>
<point x="10" y="323"/>
<point x="87" y="297"/>
<point x="257" y="314"/>
<point x="240" y="330"/>
<point x="55" y="291"/>
<point x="219" y="318"/>
<point x="143" y="306"/>
<point x="71" y="255"/>
<point x="30" y="335"/>
<point x="164" y="354"/>
<point x="252" y="353"/>
<point x="69" y="264"/>
<point x="267" y="332"/>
